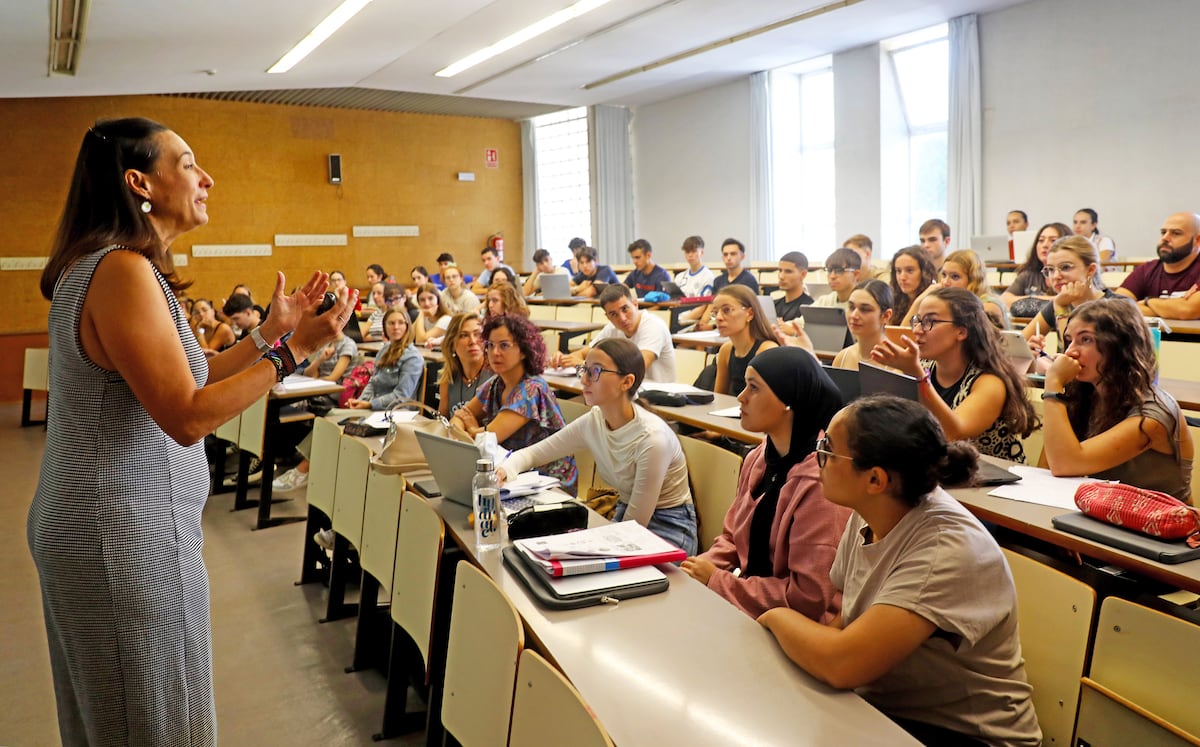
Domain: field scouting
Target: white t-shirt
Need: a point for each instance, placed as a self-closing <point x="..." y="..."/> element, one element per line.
<point x="699" y="283"/>
<point x="464" y="304"/>
<point x="830" y="300"/>
<point x="651" y="335"/>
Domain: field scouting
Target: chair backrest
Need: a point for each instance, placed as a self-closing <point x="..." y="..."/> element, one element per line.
<point x="1034" y="442"/>
<point x="253" y="427"/>
<point x="229" y="430"/>
<point x="485" y="642"/>
<point x="381" y="515"/>
<point x="1143" y="680"/>
<point x="1179" y="360"/>
<point x="584" y="461"/>
<point x="713" y="474"/>
<point x="580" y="312"/>
<point x="547" y="709"/>
<point x="598" y="315"/>
<point x="36" y="374"/>
<point x="349" y="495"/>
<point x="420" y="538"/>
<point x="542" y="311"/>
<point x="688" y="364"/>
<point x="1054" y="612"/>
<point x="323" y="465"/>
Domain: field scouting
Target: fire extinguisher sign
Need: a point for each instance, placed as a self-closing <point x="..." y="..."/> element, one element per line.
<point x="492" y="157"/>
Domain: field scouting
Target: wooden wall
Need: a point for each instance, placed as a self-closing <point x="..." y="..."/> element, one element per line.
<point x="268" y="163"/>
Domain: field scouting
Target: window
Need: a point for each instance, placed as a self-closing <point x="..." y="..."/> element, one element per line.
<point x="803" y="182"/>
<point x="564" y="192"/>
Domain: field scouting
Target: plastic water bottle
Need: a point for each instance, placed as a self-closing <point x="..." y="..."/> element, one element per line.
<point x="1156" y="331"/>
<point x="485" y="501"/>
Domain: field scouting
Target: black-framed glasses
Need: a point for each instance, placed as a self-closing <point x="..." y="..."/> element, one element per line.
<point x="926" y="322"/>
<point x="823" y="452"/>
<point x="836" y="270"/>
<point x="592" y="372"/>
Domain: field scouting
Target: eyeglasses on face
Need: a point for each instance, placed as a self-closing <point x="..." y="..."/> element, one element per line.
<point x="823" y="452"/>
<point x="1063" y="269"/>
<point x="503" y="346"/>
<point x="836" y="270"/>
<point x="592" y="372"/>
<point x="926" y="322"/>
<point x="727" y="310"/>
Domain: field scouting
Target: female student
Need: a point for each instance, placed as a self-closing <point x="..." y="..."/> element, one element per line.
<point x="434" y="318"/>
<point x="334" y="359"/>
<point x="398" y="366"/>
<point x="516" y="404"/>
<point x="635" y="451"/>
<point x="971" y="387"/>
<point x="504" y="276"/>
<point x="457" y="297"/>
<point x="503" y="299"/>
<point x="1029" y="291"/>
<point x="213" y="334"/>
<point x="1104" y="415"/>
<point x="964" y="269"/>
<point x="1071" y="268"/>
<point x="738" y="317"/>
<point x="928" y="628"/>
<point x="780" y="534"/>
<point x="464" y="367"/>
<point x="868" y="311"/>
<point x="912" y="273"/>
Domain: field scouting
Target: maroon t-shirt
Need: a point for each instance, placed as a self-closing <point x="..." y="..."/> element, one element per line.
<point x="1151" y="280"/>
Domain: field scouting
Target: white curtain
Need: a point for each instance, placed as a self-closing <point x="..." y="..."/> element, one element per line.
<point x="963" y="192"/>
<point x="612" y="182"/>
<point x="529" y="190"/>
<point x="761" y="241"/>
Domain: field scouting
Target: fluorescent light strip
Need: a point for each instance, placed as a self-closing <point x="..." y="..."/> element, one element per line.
<point x="318" y="35"/>
<point x="532" y="31"/>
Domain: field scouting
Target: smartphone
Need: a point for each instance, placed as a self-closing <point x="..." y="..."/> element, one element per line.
<point x="326" y="303"/>
<point x="893" y="332"/>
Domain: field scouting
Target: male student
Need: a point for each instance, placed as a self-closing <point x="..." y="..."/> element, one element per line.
<point x="842" y="269"/>
<point x="491" y="263"/>
<point x="935" y="240"/>
<point x="444" y="259"/>
<point x="696" y="281"/>
<point x="542" y="265"/>
<point x="240" y="310"/>
<point x="1167" y="286"/>
<point x="643" y="329"/>
<point x="733" y="253"/>
<point x="646" y="276"/>
<point x="590" y="273"/>
<point x="571" y="265"/>
<point x="862" y="244"/>
<point x="793" y="269"/>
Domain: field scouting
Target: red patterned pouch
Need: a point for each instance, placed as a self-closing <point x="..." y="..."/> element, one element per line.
<point x="1146" y="511"/>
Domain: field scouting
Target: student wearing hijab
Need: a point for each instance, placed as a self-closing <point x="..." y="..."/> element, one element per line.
<point x="780" y="534"/>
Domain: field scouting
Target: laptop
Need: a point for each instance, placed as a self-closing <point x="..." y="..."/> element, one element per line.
<point x="1017" y="350"/>
<point x="847" y="382"/>
<point x="991" y="248"/>
<point x="826" y="327"/>
<point x="877" y="380"/>
<point x="453" y="466"/>
<point x="671" y="289"/>
<point x="556" y="287"/>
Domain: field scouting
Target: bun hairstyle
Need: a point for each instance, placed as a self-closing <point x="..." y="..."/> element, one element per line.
<point x="904" y="439"/>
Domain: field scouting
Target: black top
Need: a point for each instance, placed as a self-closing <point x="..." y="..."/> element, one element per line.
<point x="737" y="368"/>
<point x="787" y="310"/>
<point x="743" y="278"/>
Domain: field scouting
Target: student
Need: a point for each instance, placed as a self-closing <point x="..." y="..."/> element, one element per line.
<point x="733" y="253"/>
<point x="464" y="364"/>
<point x="377" y="296"/>
<point x="1104" y="415"/>
<point x="842" y="269"/>
<point x="971" y="386"/>
<point x="516" y="404"/>
<point x="1166" y="286"/>
<point x="739" y="318"/>
<point x="1072" y="270"/>
<point x="456" y="296"/>
<point x="244" y="315"/>
<point x="590" y="273"/>
<point x="780" y="534"/>
<point x="419" y="275"/>
<point x="571" y="264"/>
<point x="434" y="318"/>
<point x="935" y="240"/>
<point x="793" y="270"/>
<point x="212" y="334"/>
<point x="868" y="311"/>
<point x="376" y="274"/>
<point x="912" y="274"/>
<point x="393" y="298"/>
<point x="1029" y="291"/>
<point x="503" y="299"/>
<point x="862" y="244"/>
<point x="1086" y="224"/>
<point x="337" y="281"/>
<point x="696" y="281"/>
<point x="928" y="628"/>
<point x="543" y="265"/>
<point x="398" y="367"/>
<point x="333" y="361"/>
<point x="439" y="278"/>
<point x="491" y="262"/>
<point x="646" y="276"/>
<point x="635" y="451"/>
<point x="964" y="269"/>
<point x="644" y="329"/>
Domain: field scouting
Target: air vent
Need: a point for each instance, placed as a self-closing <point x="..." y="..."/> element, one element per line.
<point x="68" y="21"/>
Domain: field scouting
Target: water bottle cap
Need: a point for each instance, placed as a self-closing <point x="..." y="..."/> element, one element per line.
<point x="483" y="465"/>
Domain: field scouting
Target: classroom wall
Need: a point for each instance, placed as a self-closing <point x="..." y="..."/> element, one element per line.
<point x="691" y="170"/>
<point x="268" y="163"/>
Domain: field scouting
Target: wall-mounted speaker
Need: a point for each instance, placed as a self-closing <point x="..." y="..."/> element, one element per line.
<point x="335" y="168"/>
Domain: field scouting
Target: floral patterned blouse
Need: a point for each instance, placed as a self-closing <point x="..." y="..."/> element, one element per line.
<point x="531" y="399"/>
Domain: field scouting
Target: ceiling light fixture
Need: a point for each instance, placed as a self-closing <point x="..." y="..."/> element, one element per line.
<point x="68" y="20"/>
<point x="318" y="35"/>
<point x="532" y="31"/>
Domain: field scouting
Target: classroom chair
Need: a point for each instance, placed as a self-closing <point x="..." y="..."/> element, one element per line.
<point x="1145" y="672"/>
<point x="768" y="277"/>
<point x="1054" y="612"/>
<point x="377" y="557"/>
<point x="548" y="710"/>
<point x="226" y="434"/>
<point x="486" y="638"/>
<point x="1194" y="432"/>
<point x="1034" y="442"/>
<point x="35" y="377"/>
<point x="542" y="311"/>
<point x="319" y="493"/>
<point x="688" y="364"/>
<point x="1179" y="360"/>
<point x="713" y="475"/>
<point x="350" y="489"/>
<point x="577" y="313"/>
<point x="598" y="315"/>
<point x="252" y="430"/>
<point x="585" y="463"/>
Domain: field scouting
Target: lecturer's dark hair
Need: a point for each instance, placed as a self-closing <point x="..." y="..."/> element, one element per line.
<point x="903" y="438"/>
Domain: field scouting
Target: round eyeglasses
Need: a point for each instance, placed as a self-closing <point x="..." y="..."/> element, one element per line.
<point x="823" y="452"/>
<point x="592" y="372"/>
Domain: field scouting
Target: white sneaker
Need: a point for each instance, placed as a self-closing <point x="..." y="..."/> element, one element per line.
<point x="324" y="539"/>
<point x="293" y="479"/>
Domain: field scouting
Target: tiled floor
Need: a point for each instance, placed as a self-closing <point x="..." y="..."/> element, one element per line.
<point x="278" y="672"/>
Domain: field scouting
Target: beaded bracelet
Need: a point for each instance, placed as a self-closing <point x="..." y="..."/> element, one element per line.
<point x="924" y="378"/>
<point x="283" y="360"/>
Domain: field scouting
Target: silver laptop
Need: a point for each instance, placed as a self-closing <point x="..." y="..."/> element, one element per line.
<point x="876" y="380"/>
<point x="1017" y="349"/>
<point x="826" y="327"/>
<point x="556" y="287"/>
<point x="453" y="466"/>
<point x="991" y="248"/>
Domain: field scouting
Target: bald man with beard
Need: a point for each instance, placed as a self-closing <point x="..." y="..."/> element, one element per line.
<point x="1167" y="286"/>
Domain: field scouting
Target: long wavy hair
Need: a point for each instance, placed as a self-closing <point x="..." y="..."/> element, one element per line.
<point x="395" y="348"/>
<point x="527" y="337"/>
<point x="452" y="367"/>
<point x="759" y="330"/>
<point x="1033" y="263"/>
<point x="1127" y="366"/>
<point x="902" y="300"/>
<point x="101" y="209"/>
<point x="510" y="299"/>
<point x="984" y="350"/>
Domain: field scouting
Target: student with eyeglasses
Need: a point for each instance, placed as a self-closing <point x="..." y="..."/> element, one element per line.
<point x="517" y="404"/>
<point x="780" y="534"/>
<point x="928" y="626"/>
<point x="971" y="387"/>
<point x="635" y="451"/>
<point x="739" y="318"/>
<point x="841" y="270"/>
<point x="464" y="365"/>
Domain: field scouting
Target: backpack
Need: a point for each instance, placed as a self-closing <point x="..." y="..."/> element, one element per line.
<point x="354" y="382"/>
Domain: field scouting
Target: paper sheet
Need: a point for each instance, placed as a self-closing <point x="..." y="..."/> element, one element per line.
<point x="728" y="412"/>
<point x="297" y="383"/>
<point x="1039" y="486"/>
<point x="617" y="540"/>
<point x="700" y="336"/>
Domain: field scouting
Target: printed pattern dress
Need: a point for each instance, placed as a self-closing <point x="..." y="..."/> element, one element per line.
<point x="534" y="400"/>
<point x="115" y="533"/>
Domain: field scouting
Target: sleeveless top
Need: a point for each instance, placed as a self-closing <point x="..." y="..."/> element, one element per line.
<point x="1154" y="470"/>
<point x="738" y="366"/>
<point x="997" y="440"/>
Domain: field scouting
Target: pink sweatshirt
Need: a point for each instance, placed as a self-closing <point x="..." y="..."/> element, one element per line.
<point x="804" y="537"/>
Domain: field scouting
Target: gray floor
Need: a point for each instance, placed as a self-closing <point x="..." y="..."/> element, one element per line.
<point x="278" y="673"/>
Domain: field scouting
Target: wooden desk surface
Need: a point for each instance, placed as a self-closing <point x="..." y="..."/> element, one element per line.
<point x="567" y="325"/>
<point x="683" y="667"/>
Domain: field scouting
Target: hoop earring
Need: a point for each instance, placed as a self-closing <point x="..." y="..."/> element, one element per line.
<point x="146" y="206"/>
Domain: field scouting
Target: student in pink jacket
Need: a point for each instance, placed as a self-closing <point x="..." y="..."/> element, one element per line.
<point x="780" y="534"/>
